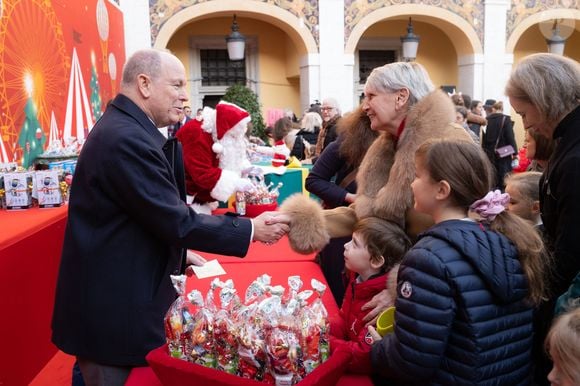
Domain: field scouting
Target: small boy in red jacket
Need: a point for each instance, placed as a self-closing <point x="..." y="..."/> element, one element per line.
<point x="372" y="257"/>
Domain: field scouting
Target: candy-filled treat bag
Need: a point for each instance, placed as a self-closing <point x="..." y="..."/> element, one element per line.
<point x="202" y="350"/>
<point x="225" y="334"/>
<point x="283" y="346"/>
<point x="256" y="291"/>
<point x="294" y="285"/>
<point x="178" y="321"/>
<point x="320" y="317"/>
<point x="252" y="346"/>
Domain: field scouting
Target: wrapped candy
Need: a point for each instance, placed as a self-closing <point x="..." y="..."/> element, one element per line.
<point x="201" y="351"/>
<point x="225" y="333"/>
<point x="273" y="337"/>
<point x="295" y="284"/>
<point x="252" y="347"/>
<point x="261" y="194"/>
<point x="320" y="315"/>
<point x="178" y="322"/>
<point x="283" y="343"/>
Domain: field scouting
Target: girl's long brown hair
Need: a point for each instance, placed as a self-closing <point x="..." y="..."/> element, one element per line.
<point x="468" y="171"/>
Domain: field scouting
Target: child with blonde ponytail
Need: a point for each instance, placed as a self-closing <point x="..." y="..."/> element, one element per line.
<point x="468" y="287"/>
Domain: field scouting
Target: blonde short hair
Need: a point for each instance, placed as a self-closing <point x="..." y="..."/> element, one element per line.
<point x="563" y="344"/>
<point x="310" y="121"/>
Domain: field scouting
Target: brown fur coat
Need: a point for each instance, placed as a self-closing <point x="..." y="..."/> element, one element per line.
<point x="385" y="176"/>
<point x="388" y="169"/>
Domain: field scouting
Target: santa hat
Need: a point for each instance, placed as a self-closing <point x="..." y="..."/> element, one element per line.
<point x="226" y="118"/>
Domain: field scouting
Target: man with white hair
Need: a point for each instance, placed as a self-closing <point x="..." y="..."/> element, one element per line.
<point x="330" y="115"/>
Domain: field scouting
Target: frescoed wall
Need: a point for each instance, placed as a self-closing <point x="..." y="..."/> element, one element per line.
<point x="60" y="63"/>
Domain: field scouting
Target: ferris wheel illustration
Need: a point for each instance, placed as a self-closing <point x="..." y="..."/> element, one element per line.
<point x="33" y="64"/>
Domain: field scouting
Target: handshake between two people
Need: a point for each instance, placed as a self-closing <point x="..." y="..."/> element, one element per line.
<point x="269" y="227"/>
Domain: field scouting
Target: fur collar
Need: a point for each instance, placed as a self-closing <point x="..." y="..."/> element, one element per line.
<point x="387" y="170"/>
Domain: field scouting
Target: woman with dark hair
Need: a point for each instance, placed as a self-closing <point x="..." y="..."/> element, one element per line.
<point x="333" y="180"/>
<point x="499" y="133"/>
<point x="539" y="149"/>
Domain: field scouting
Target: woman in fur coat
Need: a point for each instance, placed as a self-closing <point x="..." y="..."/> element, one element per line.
<point x="404" y="108"/>
<point x="332" y="179"/>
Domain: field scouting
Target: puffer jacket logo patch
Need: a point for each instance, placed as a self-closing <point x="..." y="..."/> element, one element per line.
<point x="369" y="339"/>
<point x="406" y="290"/>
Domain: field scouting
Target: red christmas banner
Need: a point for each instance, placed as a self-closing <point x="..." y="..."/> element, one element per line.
<point x="59" y="61"/>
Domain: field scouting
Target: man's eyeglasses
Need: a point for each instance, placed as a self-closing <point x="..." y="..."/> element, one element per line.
<point x="327" y="108"/>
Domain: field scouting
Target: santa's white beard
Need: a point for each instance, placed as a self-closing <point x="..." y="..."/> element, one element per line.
<point x="234" y="156"/>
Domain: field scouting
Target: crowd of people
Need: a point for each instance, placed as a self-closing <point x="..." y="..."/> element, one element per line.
<point x="419" y="200"/>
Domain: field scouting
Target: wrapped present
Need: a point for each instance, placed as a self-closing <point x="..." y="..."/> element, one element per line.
<point x="48" y="188"/>
<point x="18" y="187"/>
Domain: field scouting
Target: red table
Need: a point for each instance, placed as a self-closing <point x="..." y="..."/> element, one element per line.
<point x="30" y="248"/>
<point x="260" y="252"/>
<point x="243" y="274"/>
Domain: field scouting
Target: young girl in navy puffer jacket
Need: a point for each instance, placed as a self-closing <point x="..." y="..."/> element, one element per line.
<point x="467" y="288"/>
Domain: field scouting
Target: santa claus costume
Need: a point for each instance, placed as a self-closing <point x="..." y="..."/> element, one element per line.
<point x="214" y="151"/>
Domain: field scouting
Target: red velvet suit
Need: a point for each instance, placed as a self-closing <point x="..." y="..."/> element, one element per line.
<point x="200" y="161"/>
<point x="348" y="329"/>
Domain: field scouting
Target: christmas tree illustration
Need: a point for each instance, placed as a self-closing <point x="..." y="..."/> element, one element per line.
<point x="31" y="138"/>
<point x="96" y="102"/>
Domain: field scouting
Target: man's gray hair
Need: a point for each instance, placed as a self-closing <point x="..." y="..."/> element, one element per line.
<point x="332" y="103"/>
<point x="147" y="61"/>
<point x="395" y="76"/>
<point x="550" y="82"/>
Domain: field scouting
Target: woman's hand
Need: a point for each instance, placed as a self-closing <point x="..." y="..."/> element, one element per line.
<point x="376" y="305"/>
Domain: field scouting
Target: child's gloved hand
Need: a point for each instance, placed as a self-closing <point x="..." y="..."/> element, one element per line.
<point x="374" y="334"/>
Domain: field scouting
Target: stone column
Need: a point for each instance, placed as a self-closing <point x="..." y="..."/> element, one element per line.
<point x="470" y="74"/>
<point x="336" y="70"/>
<point x="309" y="80"/>
<point x="497" y="64"/>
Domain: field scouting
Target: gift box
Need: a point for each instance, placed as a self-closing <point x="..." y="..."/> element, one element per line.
<point x="254" y="210"/>
<point x="18" y="190"/>
<point x="173" y="371"/>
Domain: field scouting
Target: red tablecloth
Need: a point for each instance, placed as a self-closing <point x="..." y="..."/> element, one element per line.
<point x="244" y="274"/>
<point x="260" y="252"/>
<point x="144" y="376"/>
<point x="30" y="248"/>
<point x="20" y="224"/>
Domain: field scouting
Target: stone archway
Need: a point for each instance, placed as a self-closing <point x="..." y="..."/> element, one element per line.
<point x="462" y="35"/>
<point x="465" y="39"/>
<point x="537" y="18"/>
<point x="288" y="22"/>
<point x="284" y="20"/>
